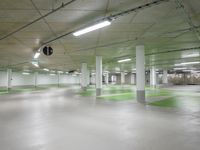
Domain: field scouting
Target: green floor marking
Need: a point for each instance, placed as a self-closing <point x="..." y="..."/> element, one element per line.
<point x="178" y="102"/>
<point x="118" y="97"/>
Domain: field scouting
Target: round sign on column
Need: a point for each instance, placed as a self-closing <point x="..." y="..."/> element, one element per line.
<point x="47" y="50"/>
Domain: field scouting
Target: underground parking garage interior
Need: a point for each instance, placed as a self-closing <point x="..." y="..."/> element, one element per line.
<point x="99" y="74"/>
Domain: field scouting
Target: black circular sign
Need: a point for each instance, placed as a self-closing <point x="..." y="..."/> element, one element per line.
<point x="47" y="50"/>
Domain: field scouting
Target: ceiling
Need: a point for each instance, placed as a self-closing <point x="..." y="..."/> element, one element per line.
<point x="167" y="30"/>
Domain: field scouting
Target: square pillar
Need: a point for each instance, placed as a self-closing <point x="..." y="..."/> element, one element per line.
<point x="153" y="76"/>
<point x="98" y="75"/>
<point x="165" y="79"/>
<point x="122" y="78"/>
<point x="9" y="79"/>
<point x="58" y="79"/>
<point x="140" y="74"/>
<point x="84" y="76"/>
<point x="35" y="79"/>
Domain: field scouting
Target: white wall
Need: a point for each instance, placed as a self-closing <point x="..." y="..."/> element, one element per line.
<point x="18" y="79"/>
<point x="47" y="79"/>
<point x="3" y="78"/>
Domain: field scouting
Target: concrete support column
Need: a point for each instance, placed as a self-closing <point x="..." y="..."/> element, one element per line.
<point x="165" y="79"/>
<point x="140" y="73"/>
<point x="153" y="76"/>
<point x="132" y="78"/>
<point x="84" y="76"/>
<point x="9" y="79"/>
<point x="106" y="78"/>
<point x="88" y="77"/>
<point x="58" y="79"/>
<point x="122" y="77"/>
<point x="35" y="79"/>
<point x="98" y="75"/>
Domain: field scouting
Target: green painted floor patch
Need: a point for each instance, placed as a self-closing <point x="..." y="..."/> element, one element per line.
<point x="86" y="93"/>
<point x="170" y="102"/>
<point x="20" y="90"/>
<point x="179" y="102"/>
<point x="118" y="97"/>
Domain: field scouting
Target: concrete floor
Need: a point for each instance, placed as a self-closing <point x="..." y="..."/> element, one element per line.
<point x="56" y="119"/>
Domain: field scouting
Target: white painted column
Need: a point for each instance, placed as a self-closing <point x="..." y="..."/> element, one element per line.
<point x="35" y="79"/>
<point x="58" y="79"/>
<point x="122" y="77"/>
<point x="165" y="79"/>
<point x="153" y="76"/>
<point x="88" y="77"/>
<point x="84" y="74"/>
<point x="9" y="79"/>
<point x="132" y="78"/>
<point x="98" y="75"/>
<point x="106" y="78"/>
<point x="140" y="73"/>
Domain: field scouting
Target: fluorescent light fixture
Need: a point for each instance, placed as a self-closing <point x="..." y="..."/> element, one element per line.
<point x="179" y="68"/>
<point x="187" y="63"/>
<point x="92" y="28"/>
<point x="25" y="73"/>
<point x="187" y="70"/>
<point x="52" y="74"/>
<point x="188" y="55"/>
<point x="45" y="69"/>
<point x="190" y="63"/>
<point x="124" y="60"/>
<point x="37" y="54"/>
<point x="60" y="71"/>
<point x="35" y="63"/>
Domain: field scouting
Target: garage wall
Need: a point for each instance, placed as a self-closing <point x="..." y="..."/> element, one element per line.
<point x="3" y="78"/>
<point x="18" y="79"/>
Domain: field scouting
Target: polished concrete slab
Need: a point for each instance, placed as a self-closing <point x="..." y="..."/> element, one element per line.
<point x="58" y="119"/>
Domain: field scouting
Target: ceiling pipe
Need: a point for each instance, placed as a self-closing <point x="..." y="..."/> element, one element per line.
<point x="188" y="18"/>
<point x="36" y="20"/>
<point x="175" y="50"/>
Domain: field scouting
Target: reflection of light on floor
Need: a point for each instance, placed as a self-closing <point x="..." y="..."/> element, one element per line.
<point x="189" y="104"/>
<point x="36" y="134"/>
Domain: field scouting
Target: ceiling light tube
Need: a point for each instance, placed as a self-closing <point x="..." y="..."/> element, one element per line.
<point x="36" y="65"/>
<point x="92" y="28"/>
<point x="190" y="63"/>
<point x="179" y="68"/>
<point x="191" y="55"/>
<point x="60" y="71"/>
<point x="52" y="74"/>
<point x="187" y="63"/>
<point x="25" y="73"/>
<point x="124" y="60"/>
<point x="37" y="54"/>
<point x="45" y="69"/>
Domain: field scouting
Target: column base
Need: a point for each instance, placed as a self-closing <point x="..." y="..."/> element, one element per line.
<point x="141" y="96"/>
<point x="84" y="88"/>
<point x="98" y="92"/>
